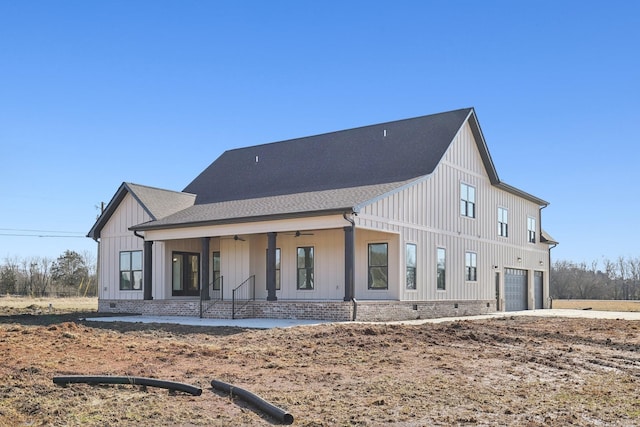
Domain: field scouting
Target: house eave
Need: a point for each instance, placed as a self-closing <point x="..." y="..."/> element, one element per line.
<point x="242" y="220"/>
<point x="513" y="190"/>
<point x="113" y="204"/>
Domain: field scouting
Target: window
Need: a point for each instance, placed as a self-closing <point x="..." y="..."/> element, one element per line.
<point x="411" y="266"/>
<point x="531" y="230"/>
<point x="185" y="274"/>
<point x="277" y="268"/>
<point x="467" y="201"/>
<point x="470" y="266"/>
<point x="441" y="269"/>
<point x="131" y="271"/>
<point x="216" y="271"/>
<point x="305" y="268"/>
<point x="378" y="266"/>
<point x="503" y="224"/>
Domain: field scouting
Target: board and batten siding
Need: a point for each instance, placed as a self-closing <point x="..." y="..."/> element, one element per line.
<point x="328" y="246"/>
<point x="114" y="238"/>
<point x="427" y="214"/>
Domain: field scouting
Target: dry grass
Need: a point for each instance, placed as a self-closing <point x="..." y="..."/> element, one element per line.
<point x="601" y="305"/>
<point x="57" y="304"/>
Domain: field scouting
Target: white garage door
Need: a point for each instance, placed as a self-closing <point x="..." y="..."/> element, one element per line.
<point x="515" y="289"/>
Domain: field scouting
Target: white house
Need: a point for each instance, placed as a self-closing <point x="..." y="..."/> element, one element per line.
<point x="399" y="220"/>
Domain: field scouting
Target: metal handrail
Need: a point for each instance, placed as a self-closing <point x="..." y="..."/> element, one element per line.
<point x="212" y="291"/>
<point x="248" y="286"/>
<point x="212" y="295"/>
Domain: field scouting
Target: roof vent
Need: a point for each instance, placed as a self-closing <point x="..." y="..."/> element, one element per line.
<point x="257" y="159"/>
<point x="384" y="133"/>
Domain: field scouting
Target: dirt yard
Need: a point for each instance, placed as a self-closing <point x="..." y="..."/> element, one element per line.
<point x="511" y="371"/>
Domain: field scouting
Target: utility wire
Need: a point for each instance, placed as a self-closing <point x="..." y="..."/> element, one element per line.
<point x="36" y="235"/>
<point x="40" y="231"/>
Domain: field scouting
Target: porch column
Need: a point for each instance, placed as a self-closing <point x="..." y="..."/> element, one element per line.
<point x="204" y="269"/>
<point x="271" y="267"/>
<point x="349" y="262"/>
<point x="148" y="268"/>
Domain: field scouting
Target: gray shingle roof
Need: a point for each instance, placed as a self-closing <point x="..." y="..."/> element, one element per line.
<point x="331" y="172"/>
<point x="307" y="203"/>
<point x="158" y="203"/>
<point x="382" y="153"/>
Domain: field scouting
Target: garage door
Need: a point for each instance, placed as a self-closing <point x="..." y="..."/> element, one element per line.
<point x="537" y="286"/>
<point x="515" y="289"/>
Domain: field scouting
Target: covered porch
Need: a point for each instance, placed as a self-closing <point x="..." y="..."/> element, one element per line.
<point x="307" y="268"/>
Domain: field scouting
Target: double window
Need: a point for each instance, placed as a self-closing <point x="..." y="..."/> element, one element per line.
<point x="131" y="270"/>
<point x="378" y="266"/>
<point x="531" y="230"/>
<point x="503" y="223"/>
<point x="441" y="264"/>
<point x="411" y="261"/>
<point x="471" y="266"/>
<point x="305" y="267"/>
<point x="467" y="201"/>
<point x="185" y="274"/>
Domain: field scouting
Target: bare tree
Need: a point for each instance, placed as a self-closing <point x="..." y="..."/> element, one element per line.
<point x="9" y="276"/>
<point x="634" y="278"/>
<point x="37" y="276"/>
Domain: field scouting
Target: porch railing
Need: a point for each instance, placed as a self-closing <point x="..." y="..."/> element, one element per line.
<point x="216" y="293"/>
<point x="242" y="295"/>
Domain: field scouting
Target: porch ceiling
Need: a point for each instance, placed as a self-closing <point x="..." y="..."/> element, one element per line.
<point x="259" y="227"/>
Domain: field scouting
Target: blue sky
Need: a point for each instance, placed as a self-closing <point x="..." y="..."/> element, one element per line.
<point x="96" y="93"/>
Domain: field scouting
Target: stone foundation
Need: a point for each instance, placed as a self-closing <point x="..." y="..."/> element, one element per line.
<point x="366" y="311"/>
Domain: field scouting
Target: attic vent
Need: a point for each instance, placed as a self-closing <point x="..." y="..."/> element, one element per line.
<point x="384" y="133"/>
<point x="257" y="159"/>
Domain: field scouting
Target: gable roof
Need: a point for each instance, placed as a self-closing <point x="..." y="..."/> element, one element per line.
<point x="156" y="202"/>
<point x="328" y="173"/>
<point x="274" y="207"/>
<point x="377" y="154"/>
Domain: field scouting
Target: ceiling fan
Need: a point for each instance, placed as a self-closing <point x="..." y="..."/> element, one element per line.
<point x="298" y="234"/>
<point x="236" y="237"/>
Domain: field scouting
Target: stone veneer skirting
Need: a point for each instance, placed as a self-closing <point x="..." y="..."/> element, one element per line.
<point x="367" y="311"/>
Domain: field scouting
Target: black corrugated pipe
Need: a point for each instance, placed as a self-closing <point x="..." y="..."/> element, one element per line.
<point x="151" y="382"/>
<point x="273" y="411"/>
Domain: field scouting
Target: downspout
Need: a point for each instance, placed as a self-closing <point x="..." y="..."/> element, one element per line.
<point x="549" y="274"/>
<point x="146" y="274"/>
<point x="548" y="254"/>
